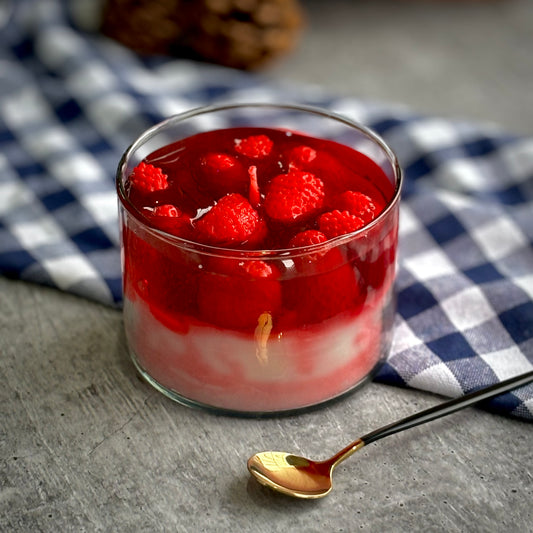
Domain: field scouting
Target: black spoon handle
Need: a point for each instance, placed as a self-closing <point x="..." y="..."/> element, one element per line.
<point x="448" y="407"/>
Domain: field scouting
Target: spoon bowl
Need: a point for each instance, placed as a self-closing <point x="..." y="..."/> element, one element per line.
<point x="303" y="478"/>
<point x="292" y="474"/>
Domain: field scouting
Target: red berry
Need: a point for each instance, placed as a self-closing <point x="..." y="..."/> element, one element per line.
<point x="222" y="174"/>
<point x="300" y="156"/>
<point x="255" y="146"/>
<point x="218" y="162"/>
<point x="231" y="221"/>
<point x="166" y="210"/>
<point x="258" y="269"/>
<point x="357" y="204"/>
<point x="307" y="238"/>
<point x="169" y="218"/>
<point x="294" y="196"/>
<point x="335" y="223"/>
<point x="148" y="178"/>
<point x="235" y="294"/>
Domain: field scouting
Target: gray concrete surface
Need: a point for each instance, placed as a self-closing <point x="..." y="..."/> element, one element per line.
<point x="86" y="446"/>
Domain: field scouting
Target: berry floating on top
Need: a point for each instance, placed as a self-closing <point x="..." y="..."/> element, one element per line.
<point x="358" y="204"/>
<point x="255" y="146"/>
<point x="221" y="173"/>
<point x="148" y="178"/>
<point x="307" y="238"/>
<point x="294" y="196"/>
<point x="231" y="221"/>
<point x="336" y="223"/>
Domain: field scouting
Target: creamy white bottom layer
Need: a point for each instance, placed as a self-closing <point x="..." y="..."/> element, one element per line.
<point x="241" y="372"/>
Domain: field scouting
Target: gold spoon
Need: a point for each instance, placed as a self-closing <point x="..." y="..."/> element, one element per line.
<point x="302" y="478"/>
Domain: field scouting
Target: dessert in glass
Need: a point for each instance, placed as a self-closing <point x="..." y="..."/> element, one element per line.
<point x="258" y="252"/>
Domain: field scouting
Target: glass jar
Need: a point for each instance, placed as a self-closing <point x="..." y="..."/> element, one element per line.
<point x="206" y="332"/>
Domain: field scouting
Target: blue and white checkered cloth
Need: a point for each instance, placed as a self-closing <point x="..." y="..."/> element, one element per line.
<point x="71" y="102"/>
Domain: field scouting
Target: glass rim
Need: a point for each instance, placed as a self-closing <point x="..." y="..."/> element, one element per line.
<point x="240" y="253"/>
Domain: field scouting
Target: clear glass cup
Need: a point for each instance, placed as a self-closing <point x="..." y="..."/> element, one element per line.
<point x="306" y="353"/>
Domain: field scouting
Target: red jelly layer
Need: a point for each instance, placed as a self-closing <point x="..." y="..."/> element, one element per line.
<point x="203" y="168"/>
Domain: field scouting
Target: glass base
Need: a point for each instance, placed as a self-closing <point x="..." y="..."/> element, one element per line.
<point x="187" y="402"/>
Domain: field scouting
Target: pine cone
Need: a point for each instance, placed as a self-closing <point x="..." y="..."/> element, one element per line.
<point x="242" y="34"/>
<point x="148" y="27"/>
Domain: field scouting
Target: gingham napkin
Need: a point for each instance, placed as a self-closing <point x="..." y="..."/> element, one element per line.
<point x="71" y="102"/>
